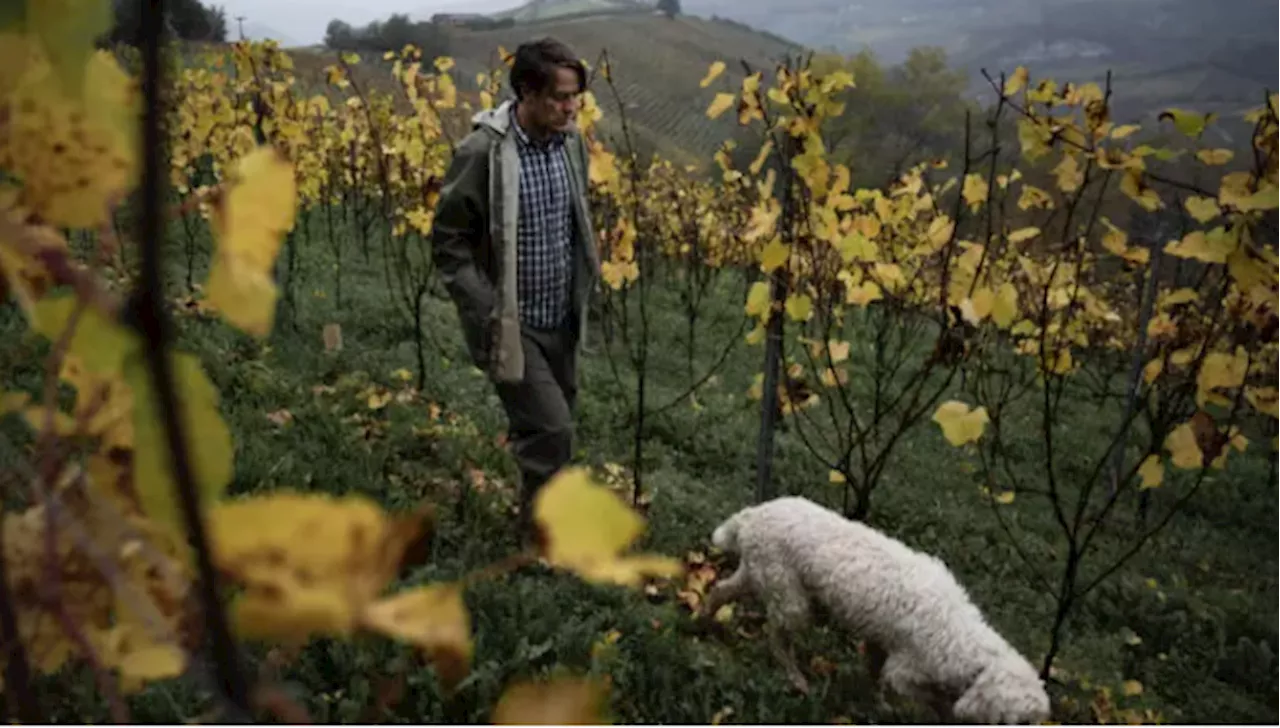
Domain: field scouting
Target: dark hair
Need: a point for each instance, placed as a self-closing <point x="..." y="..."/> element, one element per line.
<point x="534" y="67"/>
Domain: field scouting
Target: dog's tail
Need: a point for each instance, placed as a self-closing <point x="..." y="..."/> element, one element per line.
<point x="725" y="537"/>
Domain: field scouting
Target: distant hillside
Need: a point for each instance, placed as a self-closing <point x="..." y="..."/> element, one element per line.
<point x="657" y="64"/>
<point x="555" y="9"/>
<point x="1211" y="55"/>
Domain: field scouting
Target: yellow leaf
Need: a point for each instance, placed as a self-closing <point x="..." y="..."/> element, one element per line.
<point x="564" y="701"/>
<point x="1212" y="247"/>
<point x="1023" y="235"/>
<point x="1215" y="157"/>
<point x="761" y="156"/>
<point x="975" y="191"/>
<point x="863" y="293"/>
<point x="1235" y="188"/>
<point x="940" y="230"/>
<point x="256" y="211"/>
<point x="1183" y="448"/>
<point x="1131" y="185"/>
<point x="587" y="527"/>
<point x="856" y="246"/>
<point x="959" y="424"/>
<point x="799" y="307"/>
<point x="378" y="400"/>
<point x="433" y="618"/>
<point x="1220" y="370"/>
<point x="1151" y="472"/>
<point x="618" y="274"/>
<point x="713" y="72"/>
<point x="981" y="303"/>
<point x="1034" y="138"/>
<point x="1203" y="209"/>
<point x="839" y="351"/>
<point x="139" y="658"/>
<point x="99" y="343"/>
<point x="245" y="296"/>
<point x="72" y="144"/>
<point x="774" y="256"/>
<point x="1189" y="123"/>
<point x="1124" y="130"/>
<point x="1261" y="201"/>
<point x="1069" y="174"/>
<point x="1016" y="81"/>
<point x="889" y="274"/>
<point x="309" y="563"/>
<point x="1005" y="497"/>
<point x="720" y="104"/>
<point x="1263" y="399"/>
<point x="1132" y="688"/>
<point x="1152" y="370"/>
<point x="758" y="299"/>
<point x="1033" y="196"/>
<point x="835" y="477"/>
<point x="292" y="614"/>
<point x="1004" y="310"/>
<point x="209" y="448"/>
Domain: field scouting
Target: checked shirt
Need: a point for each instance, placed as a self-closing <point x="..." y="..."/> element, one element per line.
<point x="544" y="250"/>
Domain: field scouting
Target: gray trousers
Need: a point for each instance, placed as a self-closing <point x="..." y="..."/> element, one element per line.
<point x="540" y="409"/>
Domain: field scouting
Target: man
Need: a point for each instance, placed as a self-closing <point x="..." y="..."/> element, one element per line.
<point x="513" y="242"/>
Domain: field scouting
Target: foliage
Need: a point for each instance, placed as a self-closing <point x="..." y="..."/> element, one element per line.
<point x="1010" y="274"/>
<point x="104" y="547"/>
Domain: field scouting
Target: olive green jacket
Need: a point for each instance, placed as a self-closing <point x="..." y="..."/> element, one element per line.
<point x="473" y="240"/>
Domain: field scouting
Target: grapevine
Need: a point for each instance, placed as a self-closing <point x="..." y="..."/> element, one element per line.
<point x="1014" y="264"/>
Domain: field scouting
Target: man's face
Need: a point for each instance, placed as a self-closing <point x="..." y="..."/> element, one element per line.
<point x="555" y="108"/>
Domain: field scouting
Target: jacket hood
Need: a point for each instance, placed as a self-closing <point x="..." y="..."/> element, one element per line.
<point x="498" y="118"/>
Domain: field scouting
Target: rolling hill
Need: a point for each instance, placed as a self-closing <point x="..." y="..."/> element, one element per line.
<point x="657" y="63"/>
<point x="558" y="9"/>
<point x="1214" y="56"/>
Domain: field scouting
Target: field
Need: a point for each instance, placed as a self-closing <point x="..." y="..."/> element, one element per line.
<point x="354" y="382"/>
<point x="302" y="419"/>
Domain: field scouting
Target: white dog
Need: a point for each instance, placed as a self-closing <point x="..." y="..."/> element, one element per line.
<point x="925" y="639"/>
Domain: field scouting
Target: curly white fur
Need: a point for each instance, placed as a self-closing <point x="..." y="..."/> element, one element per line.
<point x="926" y="638"/>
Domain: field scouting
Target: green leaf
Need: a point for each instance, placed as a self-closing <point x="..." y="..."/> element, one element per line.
<point x="1188" y="122"/>
<point x="68" y="29"/>
<point x="210" y="450"/>
<point x="102" y="344"/>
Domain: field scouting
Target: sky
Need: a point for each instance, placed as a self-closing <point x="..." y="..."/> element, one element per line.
<point x="303" y="21"/>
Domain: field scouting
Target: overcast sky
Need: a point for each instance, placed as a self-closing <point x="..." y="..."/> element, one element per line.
<point x="303" y="21"/>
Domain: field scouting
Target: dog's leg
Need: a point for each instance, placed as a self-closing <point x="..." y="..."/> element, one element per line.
<point x="787" y="611"/>
<point x="784" y="652"/>
<point x="725" y="592"/>
<point x="902" y="678"/>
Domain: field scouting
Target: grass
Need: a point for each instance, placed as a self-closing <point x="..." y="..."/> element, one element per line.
<point x="1192" y="617"/>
